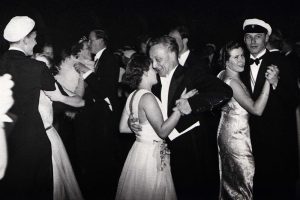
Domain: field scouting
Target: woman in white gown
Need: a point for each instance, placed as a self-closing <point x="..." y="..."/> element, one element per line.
<point x="146" y="173"/>
<point x="65" y="185"/>
<point x="67" y="76"/>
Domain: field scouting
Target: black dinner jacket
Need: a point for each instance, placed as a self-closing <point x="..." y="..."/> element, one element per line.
<point x="195" y="61"/>
<point x="273" y="134"/>
<point x="212" y="92"/>
<point x="103" y="83"/>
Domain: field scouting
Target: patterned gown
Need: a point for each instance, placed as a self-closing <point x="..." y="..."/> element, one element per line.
<point x="236" y="162"/>
<point x="146" y="174"/>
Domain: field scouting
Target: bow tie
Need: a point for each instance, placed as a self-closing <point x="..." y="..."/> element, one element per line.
<point x="256" y="61"/>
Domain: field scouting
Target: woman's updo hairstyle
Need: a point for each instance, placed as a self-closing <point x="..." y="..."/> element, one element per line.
<point x="137" y="65"/>
<point x="77" y="47"/>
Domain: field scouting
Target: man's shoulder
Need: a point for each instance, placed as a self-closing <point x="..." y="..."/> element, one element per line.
<point x="196" y="60"/>
<point x="19" y="60"/>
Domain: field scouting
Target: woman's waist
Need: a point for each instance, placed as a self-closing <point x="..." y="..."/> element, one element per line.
<point x="149" y="140"/>
<point x="238" y="115"/>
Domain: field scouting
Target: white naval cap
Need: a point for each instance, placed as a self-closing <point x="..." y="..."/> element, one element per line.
<point x="256" y="26"/>
<point x="17" y="28"/>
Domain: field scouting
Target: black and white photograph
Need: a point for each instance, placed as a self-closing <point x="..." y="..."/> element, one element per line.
<point x="149" y="100"/>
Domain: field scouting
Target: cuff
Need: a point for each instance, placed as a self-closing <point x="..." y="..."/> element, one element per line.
<point x="86" y="74"/>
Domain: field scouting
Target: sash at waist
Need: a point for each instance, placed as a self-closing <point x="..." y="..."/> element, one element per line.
<point x="161" y="152"/>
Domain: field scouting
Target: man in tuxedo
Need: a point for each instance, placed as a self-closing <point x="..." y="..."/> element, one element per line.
<point x="273" y="135"/>
<point x="96" y="124"/>
<point x="186" y="57"/>
<point x="187" y="150"/>
<point x="29" y="170"/>
<point x="209" y="120"/>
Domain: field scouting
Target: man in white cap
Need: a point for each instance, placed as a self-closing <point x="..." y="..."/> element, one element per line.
<point x="29" y="171"/>
<point x="273" y="135"/>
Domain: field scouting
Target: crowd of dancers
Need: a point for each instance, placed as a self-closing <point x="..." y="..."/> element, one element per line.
<point x="205" y="127"/>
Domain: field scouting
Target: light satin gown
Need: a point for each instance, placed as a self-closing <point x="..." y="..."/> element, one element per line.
<point x="236" y="162"/>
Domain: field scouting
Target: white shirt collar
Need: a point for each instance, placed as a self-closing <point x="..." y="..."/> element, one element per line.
<point x="98" y="55"/>
<point x="259" y="55"/>
<point x="170" y="75"/>
<point x="287" y="53"/>
<point x="17" y="49"/>
<point x="183" y="57"/>
<point x="273" y="50"/>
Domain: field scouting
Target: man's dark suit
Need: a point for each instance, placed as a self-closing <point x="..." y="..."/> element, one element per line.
<point x="29" y="170"/>
<point x="194" y="60"/>
<point x="294" y="60"/>
<point x="209" y="126"/>
<point x="187" y="153"/>
<point x="95" y="127"/>
<point x="273" y="135"/>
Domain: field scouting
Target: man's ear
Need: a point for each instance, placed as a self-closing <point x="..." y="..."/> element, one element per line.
<point x="185" y="40"/>
<point x="267" y="38"/>
<point x="24" y="40"/>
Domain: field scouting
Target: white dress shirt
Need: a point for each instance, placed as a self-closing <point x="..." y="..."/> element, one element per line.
<point x="255" y="68"/>
<point x="96" y="59"/>
<point x="165" y="85"/>
<point x="182" y="58"/>
<point x="17" y="49"/>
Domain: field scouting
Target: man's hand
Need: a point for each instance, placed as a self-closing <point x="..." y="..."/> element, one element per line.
<point x="133" y="124"/>
<point x="70" y="114"/>
<point x="55" y="95"/>
<point x="190" y="94"/>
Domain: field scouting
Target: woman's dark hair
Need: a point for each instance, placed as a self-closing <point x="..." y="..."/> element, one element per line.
<point x="76" y="48"/>
<point x="225" y="55"/>
<point x="137" y="65"/>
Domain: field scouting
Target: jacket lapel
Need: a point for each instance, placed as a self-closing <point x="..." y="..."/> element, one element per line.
<point x="99" y="61"/>
<point x="174" y="85"/>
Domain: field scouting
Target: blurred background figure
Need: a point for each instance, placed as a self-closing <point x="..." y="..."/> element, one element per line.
<point x="48" y="51"/>
<point x="142" y="41"/>
<point x="82" y="52"/>
<point x="275" y="41"/>
<point x="289" y="50"/>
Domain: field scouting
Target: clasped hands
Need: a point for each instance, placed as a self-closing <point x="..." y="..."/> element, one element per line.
<point x="81" y="68"/>
<point x="182" y="105"/>
<point x="272" y="75"/>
